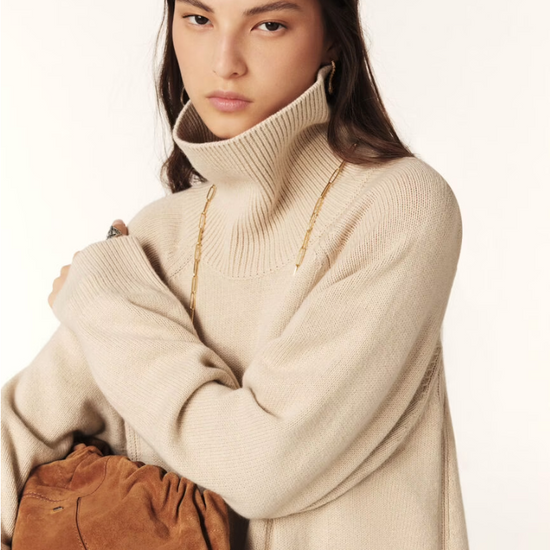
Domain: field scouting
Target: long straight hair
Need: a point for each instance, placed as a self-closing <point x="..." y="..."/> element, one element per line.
<point x="357" y="111"/>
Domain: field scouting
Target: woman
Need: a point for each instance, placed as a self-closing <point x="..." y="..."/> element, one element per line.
<point x="302" y="378"/>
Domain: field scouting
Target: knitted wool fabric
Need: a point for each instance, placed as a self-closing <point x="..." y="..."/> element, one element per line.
<point x="315" y="405"/>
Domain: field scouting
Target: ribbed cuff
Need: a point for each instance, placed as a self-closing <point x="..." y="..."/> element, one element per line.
<point x="118" y="266"/>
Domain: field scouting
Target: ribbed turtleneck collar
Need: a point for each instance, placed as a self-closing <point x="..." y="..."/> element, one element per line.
<point x="268" y="179"/>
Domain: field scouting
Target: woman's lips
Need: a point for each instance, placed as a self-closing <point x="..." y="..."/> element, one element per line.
<point x="228" y="105"/>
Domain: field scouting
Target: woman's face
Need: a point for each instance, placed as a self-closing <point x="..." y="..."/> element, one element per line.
<point x="270" y="57"/>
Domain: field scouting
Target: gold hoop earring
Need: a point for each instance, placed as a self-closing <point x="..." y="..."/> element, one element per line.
<point x="330" y="89"/>
<point x="181" y="97"/>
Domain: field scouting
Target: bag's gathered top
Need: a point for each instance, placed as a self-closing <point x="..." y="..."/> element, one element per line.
<point x="95" y="499"/>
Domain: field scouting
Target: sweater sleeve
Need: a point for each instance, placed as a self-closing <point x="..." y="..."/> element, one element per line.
<point x="43" y="407"/>
<point x="317" y="401"/>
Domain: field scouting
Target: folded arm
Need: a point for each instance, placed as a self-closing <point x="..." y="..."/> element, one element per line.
<point x="316" y="401"/>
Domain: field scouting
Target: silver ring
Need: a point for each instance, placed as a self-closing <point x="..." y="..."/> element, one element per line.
<point x="114" y="232"/>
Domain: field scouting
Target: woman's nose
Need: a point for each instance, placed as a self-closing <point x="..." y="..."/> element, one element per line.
<point x="228" y="58"/>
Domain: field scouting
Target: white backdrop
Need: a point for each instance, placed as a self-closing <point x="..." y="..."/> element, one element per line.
<point x="467" y="85"/>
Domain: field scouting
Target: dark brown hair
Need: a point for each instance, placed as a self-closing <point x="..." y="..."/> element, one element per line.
<point x="357" y="112"/>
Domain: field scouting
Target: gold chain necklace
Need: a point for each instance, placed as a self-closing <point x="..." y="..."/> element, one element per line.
<point x="301" y="253"/>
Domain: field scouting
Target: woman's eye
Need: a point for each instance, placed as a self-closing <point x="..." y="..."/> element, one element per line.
<point x="198" y="16"/>
<point x="273" y="23"/>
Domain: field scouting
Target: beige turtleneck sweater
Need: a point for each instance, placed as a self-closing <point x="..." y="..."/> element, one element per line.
<point x="315" y="405"/>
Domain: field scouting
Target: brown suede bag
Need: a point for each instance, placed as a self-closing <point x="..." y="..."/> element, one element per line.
<point x="91" y="501"/>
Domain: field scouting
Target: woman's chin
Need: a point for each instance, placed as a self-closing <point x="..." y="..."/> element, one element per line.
<point x="228" y="125"/>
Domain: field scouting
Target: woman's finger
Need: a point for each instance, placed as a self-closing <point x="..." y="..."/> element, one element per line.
<point x="121" y="226"/>
<point x="58" y="283"/>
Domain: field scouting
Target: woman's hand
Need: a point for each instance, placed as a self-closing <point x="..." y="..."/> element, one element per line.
<point x="60" y="281"/>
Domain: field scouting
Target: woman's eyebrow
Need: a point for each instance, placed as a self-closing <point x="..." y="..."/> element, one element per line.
<point x="271" y="6"/>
